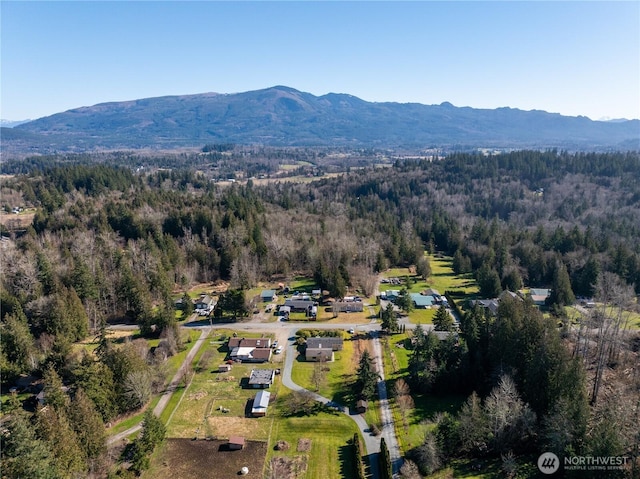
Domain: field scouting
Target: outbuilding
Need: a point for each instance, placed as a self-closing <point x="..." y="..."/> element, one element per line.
<point x="260" y="404"/>
<point x="267" y="295"/>
<point x="236" y="443"/>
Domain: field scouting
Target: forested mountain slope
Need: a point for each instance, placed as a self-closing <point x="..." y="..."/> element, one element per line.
<point x="285" y="116"/>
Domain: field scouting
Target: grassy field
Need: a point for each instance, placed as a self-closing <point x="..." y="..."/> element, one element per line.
<point x="329" y="456"/>
<point x="442" y="279"/>
<point x="194" y="413"/>
<point x="338" y="379"/>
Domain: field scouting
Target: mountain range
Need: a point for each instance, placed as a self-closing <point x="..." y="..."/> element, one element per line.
<point x="283" y="116"/>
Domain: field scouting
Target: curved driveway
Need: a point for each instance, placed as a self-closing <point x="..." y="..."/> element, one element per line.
<point x="283" y="332"/>
<point x="371" y="443"/>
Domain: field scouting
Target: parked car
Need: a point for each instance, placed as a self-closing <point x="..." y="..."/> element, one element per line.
<point x="275" y="344"/>
<point x="351" y="331"/>
<point x="278" y="350"/>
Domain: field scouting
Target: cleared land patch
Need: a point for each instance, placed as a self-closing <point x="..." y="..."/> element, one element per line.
<point x="186" y="459"/>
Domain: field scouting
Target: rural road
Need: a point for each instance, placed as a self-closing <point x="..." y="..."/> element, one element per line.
<point x="388" y="427"/>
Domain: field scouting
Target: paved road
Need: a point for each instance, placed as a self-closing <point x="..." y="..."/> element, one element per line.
<point x="164" y="399"/>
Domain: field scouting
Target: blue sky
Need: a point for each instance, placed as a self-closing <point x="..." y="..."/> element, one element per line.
<point x="574" y="58"/>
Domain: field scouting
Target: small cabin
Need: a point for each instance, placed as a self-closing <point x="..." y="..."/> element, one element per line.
<point x="236" y="443"/>
<point x="224" y="368"/>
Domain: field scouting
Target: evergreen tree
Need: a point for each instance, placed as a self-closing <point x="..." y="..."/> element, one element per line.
<point x="24" y="455"/>
<point x="489" y="282"/>
<point x="367" y="377"/>
<point x="404" y="301"/>
<point x="54" y="428"/>
<point x="561" y="292"/>
<point x="17" y="348"/>
<point x="54" y="393"/>
<point x="187" y="305"/>
<point x="88" y="425"/>
<point x="95" y="379"/>
<point x="588" y="278"/>
<point x="443" y="321"/>
<point x="389" y="318"/>
<point x="232" y="302"/>
<point x="384" y="459"/>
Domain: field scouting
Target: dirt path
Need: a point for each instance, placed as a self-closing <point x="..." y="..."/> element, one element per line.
<point x="166" y="396"/>
<point x="388" y="425"/>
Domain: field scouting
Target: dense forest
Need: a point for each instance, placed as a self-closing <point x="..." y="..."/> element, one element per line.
<point x="117" y="243"/>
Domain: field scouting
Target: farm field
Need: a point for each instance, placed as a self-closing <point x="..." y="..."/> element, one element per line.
<point x="195" y="417"/>
<point x="185" y="459"/>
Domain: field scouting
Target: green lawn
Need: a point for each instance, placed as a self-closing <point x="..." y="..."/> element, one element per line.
<point x="442" y="279"/>
<point x="339" y="377"/>
<point x="303" y="283"/>
<point x="198" y="409"/>
<point x="330" y="456"/>
<point x="196" y="413"/>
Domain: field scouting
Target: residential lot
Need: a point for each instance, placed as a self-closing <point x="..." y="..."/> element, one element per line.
<point x="198" y="425"/>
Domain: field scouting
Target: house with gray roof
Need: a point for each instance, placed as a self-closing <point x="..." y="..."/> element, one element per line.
<point x="336" y="344"/>
<point x="261" y="378"/>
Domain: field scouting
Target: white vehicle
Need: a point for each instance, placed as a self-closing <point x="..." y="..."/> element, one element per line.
<point x="278" y="350"/>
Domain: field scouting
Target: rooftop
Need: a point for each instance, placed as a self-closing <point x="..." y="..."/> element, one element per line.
<point x="261" y="376"/>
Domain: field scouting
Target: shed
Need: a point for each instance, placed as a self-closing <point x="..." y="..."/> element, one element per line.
<point x="268" y="295"/>
<point x="236" y="443"/>
<point x="361" y="406"/>
<point x="260" y="404"/>
<point x="224" y="368"/>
